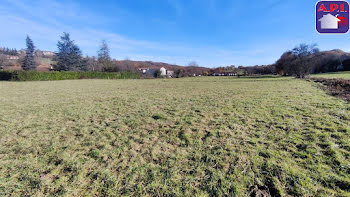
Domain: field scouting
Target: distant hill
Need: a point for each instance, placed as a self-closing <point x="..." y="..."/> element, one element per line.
<point x="335" y="54"/>
<point x="158" y="65"/>
<point x="330" y="61"/>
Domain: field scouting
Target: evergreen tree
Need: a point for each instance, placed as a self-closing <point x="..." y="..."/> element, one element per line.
<point x="104" y="58"/>
<point x="29" y="62"/>
<point x="69" y="56"/>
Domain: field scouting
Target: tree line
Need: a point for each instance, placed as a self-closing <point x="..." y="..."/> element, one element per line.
<point x="68" y="57"/>
<point x="307" y="59"/>
<point x="301" y="61"/>
<point x="8" y="51"/>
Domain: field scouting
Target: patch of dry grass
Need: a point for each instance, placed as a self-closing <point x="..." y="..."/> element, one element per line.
<point x="195" y="136"/>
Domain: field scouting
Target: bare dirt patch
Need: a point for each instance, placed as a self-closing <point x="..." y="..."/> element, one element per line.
<point x="335" y="87"/>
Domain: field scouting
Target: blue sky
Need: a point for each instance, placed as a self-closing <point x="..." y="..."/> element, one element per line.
<point x="212" y="33"/>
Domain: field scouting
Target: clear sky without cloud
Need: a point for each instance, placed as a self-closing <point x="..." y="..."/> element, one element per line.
<point x="213" y="33"/>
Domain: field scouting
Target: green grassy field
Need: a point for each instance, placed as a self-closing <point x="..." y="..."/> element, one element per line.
<point x="343" y="75"/>
<point x="173" y="137"/>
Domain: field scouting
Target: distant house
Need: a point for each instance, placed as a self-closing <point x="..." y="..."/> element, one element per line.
<point x="152" y="72"/>
<point x="166" y="73"/>
<point x="170" y="73"/>
<point x="12" y="57"/>
<point x="48" y="53"/>
<point x="44" y="53"/>
<point x="162" y="71"/>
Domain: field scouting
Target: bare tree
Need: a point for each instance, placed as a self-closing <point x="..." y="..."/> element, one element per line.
<point x="193" y="64"/>
<point x="301" y="66"/>
<point x="299" y="62"/>
<point x="104" y="57"/>
<point x="93" y="64"/>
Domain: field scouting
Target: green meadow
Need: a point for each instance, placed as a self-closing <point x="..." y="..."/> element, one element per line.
<point x="205" y="136"/>
<point x="343" y="75"/>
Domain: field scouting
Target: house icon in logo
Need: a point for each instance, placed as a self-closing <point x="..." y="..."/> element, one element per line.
<point x="329" y="21"/>
<point x="332" y="16"/>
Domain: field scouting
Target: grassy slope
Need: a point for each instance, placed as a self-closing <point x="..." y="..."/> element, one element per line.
<point x="200" y="136"/>
<point x="344" y="75"/>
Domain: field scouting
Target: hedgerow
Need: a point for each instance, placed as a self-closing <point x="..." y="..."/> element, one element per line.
<point x="63" y="75"/>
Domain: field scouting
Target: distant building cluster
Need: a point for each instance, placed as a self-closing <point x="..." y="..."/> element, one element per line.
<point x="38" y="53"/>
<point x="224" y="74"/>
<point x="11" y="57"/>
<point x="163" y="72"/>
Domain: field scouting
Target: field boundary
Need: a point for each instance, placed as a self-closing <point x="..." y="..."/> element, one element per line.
<point x="63" y="75"/>
<point x="335" y="87"/>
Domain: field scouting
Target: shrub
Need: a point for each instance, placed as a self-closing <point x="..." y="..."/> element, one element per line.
<point x="5" y="75"/>
<point x="64" y="75"/>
